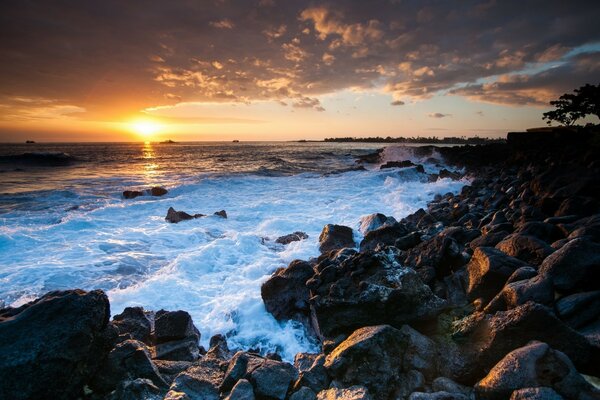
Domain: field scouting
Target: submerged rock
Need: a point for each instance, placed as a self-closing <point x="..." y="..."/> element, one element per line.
<point x="178" y="216"/>
<point x="285" y="294"/>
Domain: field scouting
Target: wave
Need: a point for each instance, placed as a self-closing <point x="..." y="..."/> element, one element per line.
<point x="50" y="159"/>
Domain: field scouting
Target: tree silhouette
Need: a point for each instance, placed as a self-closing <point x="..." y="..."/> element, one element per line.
<point x="571" y="107"/>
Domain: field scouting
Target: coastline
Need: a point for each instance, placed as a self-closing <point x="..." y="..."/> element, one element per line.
<point x="401" y="317"/>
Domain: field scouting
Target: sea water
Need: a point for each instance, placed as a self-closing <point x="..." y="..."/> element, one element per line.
<point x="64" y="223"/>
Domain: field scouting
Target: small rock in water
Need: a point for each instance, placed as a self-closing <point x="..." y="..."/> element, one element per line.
<point x="292" y="237"/>
<point x="158" y="191"/>
<point x="178" y="216"/>
<point x="221" y="213"/>
<point x="132" y="194"/>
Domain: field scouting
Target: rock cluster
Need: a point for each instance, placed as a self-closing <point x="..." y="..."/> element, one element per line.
<point x="155" y="191"/>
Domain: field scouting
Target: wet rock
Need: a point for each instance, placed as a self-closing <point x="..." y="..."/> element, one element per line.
<point x="134" y="321"/>
<point x="132" y="194"/>
<point x="292" y="237"/>
<point x="374" y="221"/>
<point x="520" y="292"/>
<point x="335" y="237"/>
<point x="200" y="382"/>
<point x="242" y="390"/>
<point x="352" y="393"/>
<point x="129" y="360"/>
<point x="369" y="289"/>
<point x="537" y="393"/>
<point x="526" y="248"/>
<point x="138" y="389"/>
<point x="272" y="379"/>
<point x="579" y="309"/>
<point x="285" y="294"/>
<point x="371" y="356"/>
<point x="158" y="191"/>
<point x="53" y="345"/>
<point x="488" y="271"/>
<point x="574" y="267"/>
<point x="178" y="216"/>
<point x="222" y="214"/>
<point x="385" y="235"/>
<point x="174" y="325"/>
<point x="534" y="365"/>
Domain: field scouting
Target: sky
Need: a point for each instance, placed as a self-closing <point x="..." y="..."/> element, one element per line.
<point x="116" y="70"/>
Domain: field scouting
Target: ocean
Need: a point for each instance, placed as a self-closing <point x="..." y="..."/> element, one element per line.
<point x="64" y="223"/>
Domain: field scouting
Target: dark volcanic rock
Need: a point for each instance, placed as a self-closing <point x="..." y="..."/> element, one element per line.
<point x="136" y="389"/>
<point x="369" y="289"/>
<point x="272" y="379"/>
<point x="199" y="382"/>
<point x="397" y="164"/>
<point x="385" y="235"/>
<point x="242" y="390"/>
<point x="575" y="267"/>
<point x="535" y="365"/>
<point x="292" y="237"/>
<point x="442" y="253"/>
<point x="526" y="248"/>
<point x="579" y="309"/>
<point x="537" y="393"/>
<point x="408" y="241"/>
<point x="520" y="292"/>
<point x="285" y="294"/>
<point x="178" y="216"/>
<point x="374" y="221"/>
<point x="542" y="230"/>
<point x="489" y="269"/>
<point x="222" y="214"/>
<point x="132" y="194"/>
<point x="178" y="350"/>
<point x="158" y="191"/>
<point x="135" y="322"/>
<point x="174" y="325"/>
<point x="335" y="237"/>
<point x="51" y="347"/>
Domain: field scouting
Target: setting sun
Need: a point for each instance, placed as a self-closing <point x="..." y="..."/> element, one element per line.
<point x="145" y="128"/>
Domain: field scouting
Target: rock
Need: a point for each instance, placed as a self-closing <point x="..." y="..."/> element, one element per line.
<point x="134" y="321"/>
<point x="174" y="325"/>
<point x="371" y="356"/>
<point x="285" y="294"/>
<point x="579" y="309"/>
<point x="200" y="382"/>
<point x="489" y="240"/>
<point x="52" y="346"/>
<point x="538" y="393"/>
<point x="442" y="253"/>
<point x="397" y="164"/>
<point x="303" y="393"/>
<point x="541" y="230"/>
<point x="369" y="289"/>
<point x="352" y="393"/>
<point x="178" y="350"/>
<point x="443" y="384"/>
<point x="138" y="389"/>
<point x="385" y="235"/>
<point x="574" y="267"/>
<point x="374" y="221"/>
<point x="218" y="350"/>
<point x="292" y="237"/>
<point x="408" y="241"/>
<point x="488" y="271"/>
<point x="129" y="360"/>
<point x="514" y="294"/>
<point x="170" y="369"/>
<point x="444" y="173"/>
<point x="534" y="365"/>
<point x="304" y="361"/>
<point x="335" y="237"/>
<point x="272" y="379"/>
<point x="526" y="248"/>
<point x="239" y="366"/>
<point x="521" y="274"/>
<point x="222" y="214"/>
<point x="315" y="377"/>
<point x="437" y="396"/>
<point x="409" y="382"/>
<point x="158" y="191"/>
<point x="241" y="391"/>
<point x="132" y="194"/>
<point x="178" y="216"/>
<point x="419" y="352"/>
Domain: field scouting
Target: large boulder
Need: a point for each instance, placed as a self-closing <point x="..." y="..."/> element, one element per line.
<point x="534" y="365"/>
<point x="272" y="379"/>
<point x="371" y="222"/>
<point x="174" y="325"/>
<point x="442" y="253"/>
<point x="575" y="267"/>
<point x="520" y="292"/>
<point x="385" y="235"/>
<point x="371" y="356"/>
<point x="369" y="289"/>
<point x="285" y="294"/>
<point x="52" y="346"/>
<point x="335" y="237"/>
<point x="242" y="390"/>
<point x="488" y="271"/>
<point x="526" y="248"/>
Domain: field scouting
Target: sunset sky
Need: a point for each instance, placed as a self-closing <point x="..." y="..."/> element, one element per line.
<point x="279" y="70"/>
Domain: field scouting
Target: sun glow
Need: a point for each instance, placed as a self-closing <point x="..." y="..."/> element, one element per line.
<point x="145" y="128"/>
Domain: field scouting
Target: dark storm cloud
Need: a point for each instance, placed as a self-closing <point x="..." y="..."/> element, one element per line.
<point x="114" y="55"/>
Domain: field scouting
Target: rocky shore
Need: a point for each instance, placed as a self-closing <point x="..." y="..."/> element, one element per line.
<point x="493" y="293"/>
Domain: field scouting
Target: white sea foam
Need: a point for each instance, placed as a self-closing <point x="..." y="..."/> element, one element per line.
<point x="210" y="267"/>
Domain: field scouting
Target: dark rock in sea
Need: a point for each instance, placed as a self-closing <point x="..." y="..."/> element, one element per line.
<point x="371" y="356"/>
<point x="129" y="360"/>
<point x="355" y="392"/>
<point x="374" y="221"/>
<point x="285" y="294"/>
<point x="272" y="379"/>
<point x="335" y="237"/>
<point x="444" y="173"/>
<point x="158" y="191"/>
<point x="52" y="346"/>
<point x="370" y="158"/>
<point x="534" y="365"/>
<point x="398" y="164"/>
<point x="136" y="389"/>
<point x="178" y="216"/>
<point x="488" y="270"/>
<point x="222" y="214"/>
<point x="174" y="325"/>
<point x="579" y="309"/>
<point x="368" y="289"/>
<point x="242" y="390"/>
<point x="132" y="194"/>
<point x="526" y="248"/>
<point x="575" y="267"/>
<point x="135" y="322"/>
<point x="292" y="237"/>
<point x="385" y="235"/>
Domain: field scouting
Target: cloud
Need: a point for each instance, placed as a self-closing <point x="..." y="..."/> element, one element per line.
<point x="241" y="51"/>
<point x="397" y="103"/>
<point x="307" y="102"/>
<point x="438" y="115"/>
